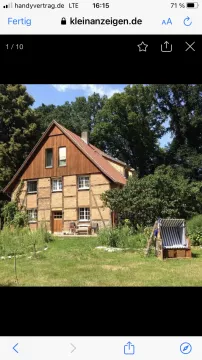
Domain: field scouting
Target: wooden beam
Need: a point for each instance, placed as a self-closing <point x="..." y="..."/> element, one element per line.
<point x="98" y="207"/>
<point x="150" y="238"/>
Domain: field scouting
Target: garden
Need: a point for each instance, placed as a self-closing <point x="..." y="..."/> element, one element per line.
<point x="116" y="257"/>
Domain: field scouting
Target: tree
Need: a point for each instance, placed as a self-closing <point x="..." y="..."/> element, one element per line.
<point x="166" y="193"/>
<point x="76" y="116"/>
<point x="46" y="114"/>
<point x="19" y="129"/>
<point x="80" y="115"/>
<point x="129" y="126"/>
<point x="186" y="159"/>
<point x="96" y="103"/>
<point x="182" y="104"/>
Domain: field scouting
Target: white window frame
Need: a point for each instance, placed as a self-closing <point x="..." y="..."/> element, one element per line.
<point x="62" y="147"/>
<point x="58" y="182"/>
<point x="85" y="211"/>
<point x="49" y="166"/>
<point x="31" y="192"/>
<point x="82" y="179"/>
<point x="33" y="218"/>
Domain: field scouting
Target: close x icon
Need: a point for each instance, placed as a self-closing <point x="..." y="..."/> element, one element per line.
<point x="190" y="46"/>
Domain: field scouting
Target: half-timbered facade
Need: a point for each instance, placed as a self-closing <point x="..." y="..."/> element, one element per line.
<point x="62" y="179"/>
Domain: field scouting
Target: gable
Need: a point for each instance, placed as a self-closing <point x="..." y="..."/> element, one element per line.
<point x="55" y="131"/>
<point x="81" y="158"/>
<point x="77" y="162"/>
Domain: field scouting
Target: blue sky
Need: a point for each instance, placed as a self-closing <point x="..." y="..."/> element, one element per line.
<point x="59" y="93"/>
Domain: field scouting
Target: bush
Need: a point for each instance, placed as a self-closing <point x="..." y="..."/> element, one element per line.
<point x="194" y="230"/>
<point x="14" y="217"/>
<point x="123" y="237"/>
<point x="20" y="219"/>
<point x="8" y="212"/>
<point x="166" y="194"/>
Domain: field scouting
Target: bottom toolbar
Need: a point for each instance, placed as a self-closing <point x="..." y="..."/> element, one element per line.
<point x="119" y="348"/>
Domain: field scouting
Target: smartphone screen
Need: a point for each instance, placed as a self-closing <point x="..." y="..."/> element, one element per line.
<point x="100" y="178"/>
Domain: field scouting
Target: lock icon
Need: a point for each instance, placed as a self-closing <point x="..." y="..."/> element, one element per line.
<point x="63" y="21"/>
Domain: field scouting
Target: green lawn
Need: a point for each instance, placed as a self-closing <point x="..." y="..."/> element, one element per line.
<point x="76" y="262"/>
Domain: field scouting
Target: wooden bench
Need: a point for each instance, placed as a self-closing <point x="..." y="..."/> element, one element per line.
<point x="83" y="229"/>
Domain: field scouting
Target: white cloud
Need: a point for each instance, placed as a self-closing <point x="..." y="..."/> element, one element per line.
<point x="88" y="89"/>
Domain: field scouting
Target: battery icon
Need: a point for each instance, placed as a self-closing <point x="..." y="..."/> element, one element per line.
<point x="192" y="5"/>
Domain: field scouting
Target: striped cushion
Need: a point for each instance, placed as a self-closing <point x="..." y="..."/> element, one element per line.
<point x="172" y="233"/>
<point x="172" y="222"/>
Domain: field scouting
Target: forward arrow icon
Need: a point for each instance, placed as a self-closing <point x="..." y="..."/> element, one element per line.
<point x="74" y="348"/>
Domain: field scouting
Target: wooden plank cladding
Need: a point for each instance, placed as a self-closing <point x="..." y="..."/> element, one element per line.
<point x="55" y="131"/>
<point x="176" y="253"/>
<point x="77" y="162"/>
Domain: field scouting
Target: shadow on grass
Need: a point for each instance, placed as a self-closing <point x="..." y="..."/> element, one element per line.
<point x="194" y="255"/>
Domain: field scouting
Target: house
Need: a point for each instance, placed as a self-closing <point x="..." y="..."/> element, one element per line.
<point x="61" y="180"/>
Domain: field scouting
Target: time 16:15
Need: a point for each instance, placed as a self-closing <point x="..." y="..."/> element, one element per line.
<point x="101" y="5"/>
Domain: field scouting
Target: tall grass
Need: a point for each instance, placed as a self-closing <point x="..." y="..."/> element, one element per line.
<point x="123" y="237"/>
<point x="22" y="241"/>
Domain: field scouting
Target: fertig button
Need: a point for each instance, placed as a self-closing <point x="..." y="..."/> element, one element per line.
<point x="21" y="21"/>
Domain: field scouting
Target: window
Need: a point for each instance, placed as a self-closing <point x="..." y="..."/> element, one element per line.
<point x="84" y="214"/>
<point x="57" y="215"/>
<point x="32" y="215"/>
<point x="32" y="186"/>
<point x="62" y="156"/>
<point x="49" y="158"/>
<point x="83" y="182"/>
<point x="57" y="185"/>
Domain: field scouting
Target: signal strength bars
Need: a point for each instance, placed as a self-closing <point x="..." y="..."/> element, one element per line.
<point x="8" y="6"/>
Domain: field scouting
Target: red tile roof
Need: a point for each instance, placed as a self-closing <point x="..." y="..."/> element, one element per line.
<point x="92" y="153"/>
<point x="95" y="156"/>
<point x="110" y="157"/>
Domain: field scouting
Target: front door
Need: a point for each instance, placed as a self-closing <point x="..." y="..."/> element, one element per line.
<point x="57" y="221"/>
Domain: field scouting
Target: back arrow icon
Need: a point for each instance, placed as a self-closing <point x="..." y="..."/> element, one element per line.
<point x="74" y="348"/>
<point x="14" y="348"/>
